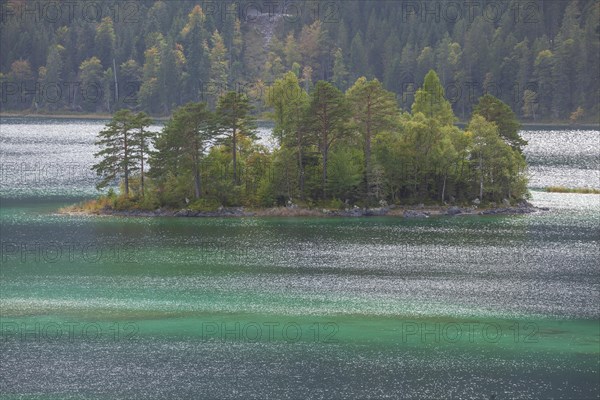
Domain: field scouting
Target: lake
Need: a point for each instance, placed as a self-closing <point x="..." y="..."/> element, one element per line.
<point x="488" y="307"/>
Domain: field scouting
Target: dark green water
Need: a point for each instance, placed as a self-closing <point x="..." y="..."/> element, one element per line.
<point x="463" y="307"/>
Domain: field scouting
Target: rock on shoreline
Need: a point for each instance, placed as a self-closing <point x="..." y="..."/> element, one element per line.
<point x="523" y="207"/>
<point x="419" y="212"/>
<point x="223" y="212"/>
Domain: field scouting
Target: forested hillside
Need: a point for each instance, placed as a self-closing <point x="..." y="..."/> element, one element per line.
<point x="539" y="56"/>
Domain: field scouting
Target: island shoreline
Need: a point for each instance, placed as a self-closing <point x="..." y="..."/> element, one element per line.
<point x="299" y="212"/>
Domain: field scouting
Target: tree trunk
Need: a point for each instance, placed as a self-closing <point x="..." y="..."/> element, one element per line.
<point x="126" y="163"/>
<point x="368" y="165"/>
<point x="444" y="187"/>
<point x="287" y="181"/>
<point x="368" y="153"/>
<point x="196" y="161"/>
<point x="234" y="147"/>
<point x="126" y="182"/>
<point x="142" y="161"/>
<point x="197" y="183"/>
<point x="301" y="171"/>
<point x="325" y="172"/>
<point x="480" y="178"/>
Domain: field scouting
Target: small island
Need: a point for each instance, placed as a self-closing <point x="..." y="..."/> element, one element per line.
<point x="337" y="154"/>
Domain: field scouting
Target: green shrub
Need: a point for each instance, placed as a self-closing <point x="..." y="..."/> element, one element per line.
<point x="336" y="204"/>
<point x="204" y="205"/>
<point x="122" y="203"/>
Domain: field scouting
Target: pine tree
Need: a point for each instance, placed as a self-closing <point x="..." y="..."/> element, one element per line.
<point x="169" y="75"/>
<point x="292" y="55"/>
<point x="326" y="117"/>
<point x="430" y="101"/>
<point x="195" y="38"/>
<point x="233" y="113"/>
<point x="373" y="110"/>
<point x="118" y="151"/>
<point x="358" y="57"/>
<point x="500" y="169"/>
<point x="105" y="42"/>
<point x="219" y="68"/>
<point x="289" y="102"/>
<point x="498" y="112"/>
<point x="130" y="78"/>
<point x="92" y="78"/>
<point x="312" y="45"/>
<point x="149" y="94"/>
<point x="141" y="138"/>
<point x="340" y="72"/>
<point x="545" y="81"/>
<point x="564" y="77"/>
<point x="54" y="74"/>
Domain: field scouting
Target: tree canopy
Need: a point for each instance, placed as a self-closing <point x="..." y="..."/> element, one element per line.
<point x="332" y="148"/>
<point x="123" y="148"/>
<point x="494" y="110"/>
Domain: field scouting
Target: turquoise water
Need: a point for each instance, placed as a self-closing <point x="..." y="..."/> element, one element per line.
<point x="453" y="307"/>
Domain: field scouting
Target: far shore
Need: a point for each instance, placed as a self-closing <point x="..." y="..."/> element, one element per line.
<point x="91" y="116"/>
<point x="420" y="211"/>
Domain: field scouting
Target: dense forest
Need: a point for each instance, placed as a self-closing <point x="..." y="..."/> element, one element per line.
<point x="540" y="57"/>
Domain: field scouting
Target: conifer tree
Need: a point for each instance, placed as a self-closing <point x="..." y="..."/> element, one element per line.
<point x="494" y="110"/>
<point x="326" y="119"/>
<point x="373" y="110"/>
<point x="430" y="101"/>
<point x="234" y="119"/>
<point x="118" y="151"/>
